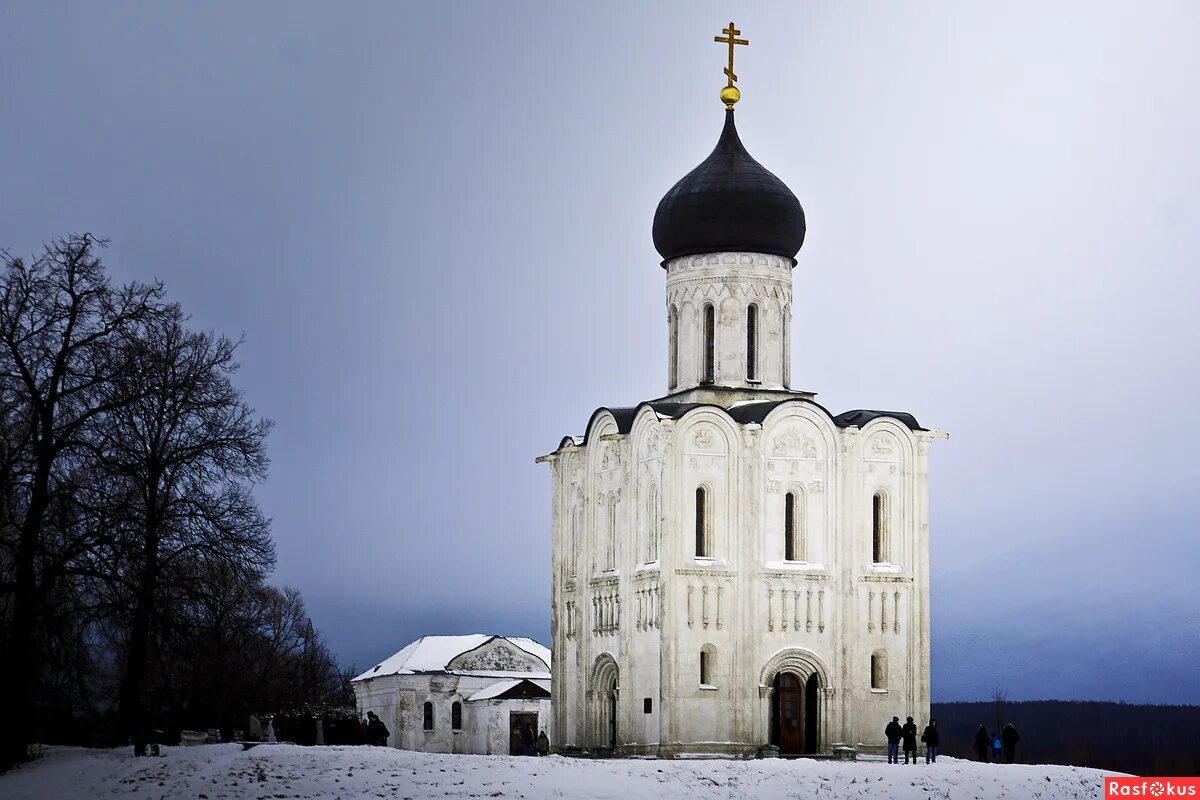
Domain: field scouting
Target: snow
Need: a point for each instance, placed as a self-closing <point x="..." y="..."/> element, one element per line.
<point x="216" y="772"/>
<point x="798" y="566"/>
<point x="433" y="653"/>
<point x="496" y="689"/>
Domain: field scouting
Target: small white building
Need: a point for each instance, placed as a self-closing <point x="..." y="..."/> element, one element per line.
<point x="460" y="694"/>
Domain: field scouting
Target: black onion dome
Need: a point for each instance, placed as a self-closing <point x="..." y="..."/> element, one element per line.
<point x="730" y="203"/>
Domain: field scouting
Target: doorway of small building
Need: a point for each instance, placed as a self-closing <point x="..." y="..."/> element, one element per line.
<point x="522" y="730"/>
<point x="794" y="713"/>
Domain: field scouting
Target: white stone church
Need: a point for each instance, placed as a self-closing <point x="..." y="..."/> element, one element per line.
<point x="733" y="564"/>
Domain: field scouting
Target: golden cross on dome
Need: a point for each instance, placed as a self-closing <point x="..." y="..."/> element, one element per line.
<point x="730" y="94"/>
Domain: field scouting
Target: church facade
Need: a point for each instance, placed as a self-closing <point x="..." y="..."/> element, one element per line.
<point x="733" y="564"/>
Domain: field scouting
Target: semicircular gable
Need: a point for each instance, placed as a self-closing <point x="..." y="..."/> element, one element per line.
<point x="708" y="428"/>
<point x="887" y="439"/>
<point x="497" y="655"/>
<point x="646" y="432"/>
<point x="799" y="429"/>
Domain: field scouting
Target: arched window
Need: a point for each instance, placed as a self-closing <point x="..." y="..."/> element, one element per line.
<point x="795" y="524"/>
<point x="879" y="671"/>
<point x="702" y="548"/>
<point x="652" y="526"/>
<point x="610" y="540"/>
<point x="710" y="344"/>
<point x="879" y="542"/>
<point x="574" y="544"/>
<point x="790" y="551"/>
<point x="708" y="665"/>
<point x="752" y="342"/>
<point x="456" y="716"/>
<point x="673" y="347"/>
<point x="428" y="716"/>
<point x="787" y="347"/>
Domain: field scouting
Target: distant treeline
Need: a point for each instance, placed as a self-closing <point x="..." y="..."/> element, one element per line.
<point x="1139" y="739"/>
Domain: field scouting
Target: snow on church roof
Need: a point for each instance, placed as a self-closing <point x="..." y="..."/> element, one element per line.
<point x="500" y="687"/>
<point x="434" y="653"/>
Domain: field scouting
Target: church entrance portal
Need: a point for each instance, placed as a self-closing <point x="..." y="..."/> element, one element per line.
<point x="794" y="713"/>
<point x="602" y="700"/>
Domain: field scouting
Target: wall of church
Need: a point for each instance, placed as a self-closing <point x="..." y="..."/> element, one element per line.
<point x="730" y="283"/>
<point x="636" y="595"/>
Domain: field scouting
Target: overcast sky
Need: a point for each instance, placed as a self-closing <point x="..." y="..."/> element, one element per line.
<point x="432" y="225"/>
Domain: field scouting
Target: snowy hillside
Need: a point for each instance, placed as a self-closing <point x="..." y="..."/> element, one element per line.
<point x="286" y="771"/>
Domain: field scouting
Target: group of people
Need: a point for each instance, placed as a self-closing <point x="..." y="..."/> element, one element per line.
<point x="1002" y="745"/>
<point x="528" y="745"/>
<point x="374" y="732"/>
<point x="907" y="734"/>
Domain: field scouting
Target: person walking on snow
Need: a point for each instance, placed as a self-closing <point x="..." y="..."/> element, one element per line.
<point x="1009" y="738"/>
<point x="931" y="739"/>
<point x="996" y="745"/>
<point x="543" y="744"/>
<point x="910" y="740"/>
<point x="983" y="743"/>
<point x="893" y="732"/>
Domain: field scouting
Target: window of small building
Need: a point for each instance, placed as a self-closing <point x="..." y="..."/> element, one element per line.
<point x="456" y="716"/>
<point x="648" y="705"/>
<point x="702" y="543"/>
<point x="428" y="716"/>
<point x="752" y="342"/>
<point x="710" y="344"/>
<point x="879" y="671"/>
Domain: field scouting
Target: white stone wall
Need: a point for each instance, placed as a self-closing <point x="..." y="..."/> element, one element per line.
<point x="730" y="282"/>
<point x="648" y="618"/>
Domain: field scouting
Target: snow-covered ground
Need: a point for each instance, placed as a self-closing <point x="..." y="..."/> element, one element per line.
<point x="286" y="771"/>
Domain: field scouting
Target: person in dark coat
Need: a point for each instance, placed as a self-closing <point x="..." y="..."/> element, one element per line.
<point x="931" y="739"/>
<point x="894" y="733"/>
<point x="527" y="740"/>
<point x="377" y="732"/>
<point x="1008" y="740"/>
<point x="543" y="744"/>
<point x="910" y="739"/>
<point x="364" y="732"/>
<point x="983" y="743"/>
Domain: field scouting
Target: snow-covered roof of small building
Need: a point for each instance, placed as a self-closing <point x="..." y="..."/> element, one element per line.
<point x="500" y="687"/>
<point x="434" y="654"/>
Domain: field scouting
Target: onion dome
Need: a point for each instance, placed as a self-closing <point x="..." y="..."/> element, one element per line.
<point x="730" y="203"/>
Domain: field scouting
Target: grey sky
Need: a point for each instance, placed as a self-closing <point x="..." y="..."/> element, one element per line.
<point x="432" y="223"/>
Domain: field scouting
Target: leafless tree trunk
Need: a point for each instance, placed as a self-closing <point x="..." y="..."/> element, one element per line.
<point x="59" y="318"/>
<point x="190" y="448"/>
<point x="999" y="698"/>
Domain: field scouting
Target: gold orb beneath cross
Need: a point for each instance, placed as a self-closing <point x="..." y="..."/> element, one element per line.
<point x="730" y="95"/>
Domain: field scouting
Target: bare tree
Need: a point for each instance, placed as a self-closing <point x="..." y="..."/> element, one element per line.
<point x="999" y="699"/>
<point x="59" y="317"/>
<point x="190" y="449"/>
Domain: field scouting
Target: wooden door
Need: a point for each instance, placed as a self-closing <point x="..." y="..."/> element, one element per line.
<point x="789" y="705"/>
